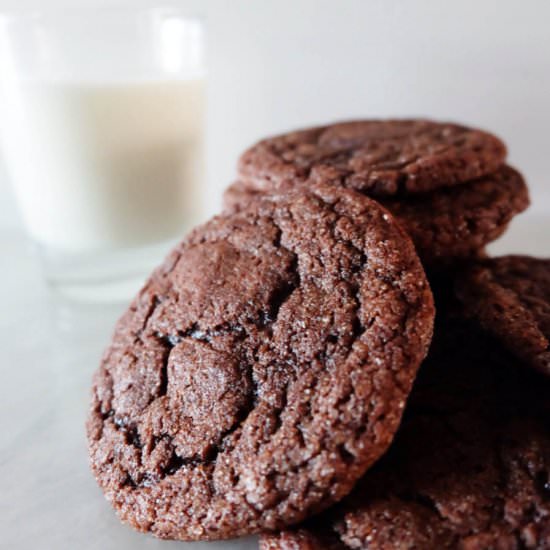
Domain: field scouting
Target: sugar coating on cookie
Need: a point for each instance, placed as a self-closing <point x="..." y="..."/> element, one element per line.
<point x="379" y="157"/>
<point x="262" y="369"/>
<point x="510" y="297"/>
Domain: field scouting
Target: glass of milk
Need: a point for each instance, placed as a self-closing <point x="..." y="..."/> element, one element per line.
<point x="102" y="127"/>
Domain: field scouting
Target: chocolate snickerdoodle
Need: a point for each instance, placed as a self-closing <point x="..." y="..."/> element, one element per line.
<point x="262" y="369"/>
<point x="510" y="297"/>
<point x="377" y="157"/>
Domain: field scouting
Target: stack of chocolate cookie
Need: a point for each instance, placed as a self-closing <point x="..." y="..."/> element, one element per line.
<point x="262" y="380"/>
<point x="446" y="184"/>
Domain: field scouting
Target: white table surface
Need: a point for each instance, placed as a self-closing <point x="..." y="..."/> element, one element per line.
<point x="48" y="351"/>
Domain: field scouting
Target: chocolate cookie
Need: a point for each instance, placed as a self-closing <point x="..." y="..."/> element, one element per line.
<point x="445" y="224"/>
<point x="469" y="468"/>
<point x="315" y="536"/>
<point x="377" y="157"/>
<point x="510" y="297"/>
<point x="262" y="369"/>
<point x="457" y="222"/>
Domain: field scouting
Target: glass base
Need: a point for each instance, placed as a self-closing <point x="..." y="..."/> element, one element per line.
<point x="112" y="276"/>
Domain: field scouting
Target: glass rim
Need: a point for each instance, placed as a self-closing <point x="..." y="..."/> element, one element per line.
<point x="59" y="12"/>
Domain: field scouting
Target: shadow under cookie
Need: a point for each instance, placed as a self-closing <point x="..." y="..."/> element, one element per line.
<point x="470" y="465"/>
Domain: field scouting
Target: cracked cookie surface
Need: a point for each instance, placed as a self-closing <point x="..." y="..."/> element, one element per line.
<point x="377" y="157"/>
<point x="446" y="224"/>
<point x="510" y="297"/>
<point x="469" y="467"/>
<point x="262" y="369"/>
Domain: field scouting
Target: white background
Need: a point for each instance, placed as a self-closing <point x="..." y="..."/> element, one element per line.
<point x="279" y="64"/>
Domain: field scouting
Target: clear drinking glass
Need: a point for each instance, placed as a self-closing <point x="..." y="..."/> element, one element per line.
<point x="102" y="123"/>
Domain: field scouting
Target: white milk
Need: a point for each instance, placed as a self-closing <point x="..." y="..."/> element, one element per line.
<point x="103" y="166"/>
